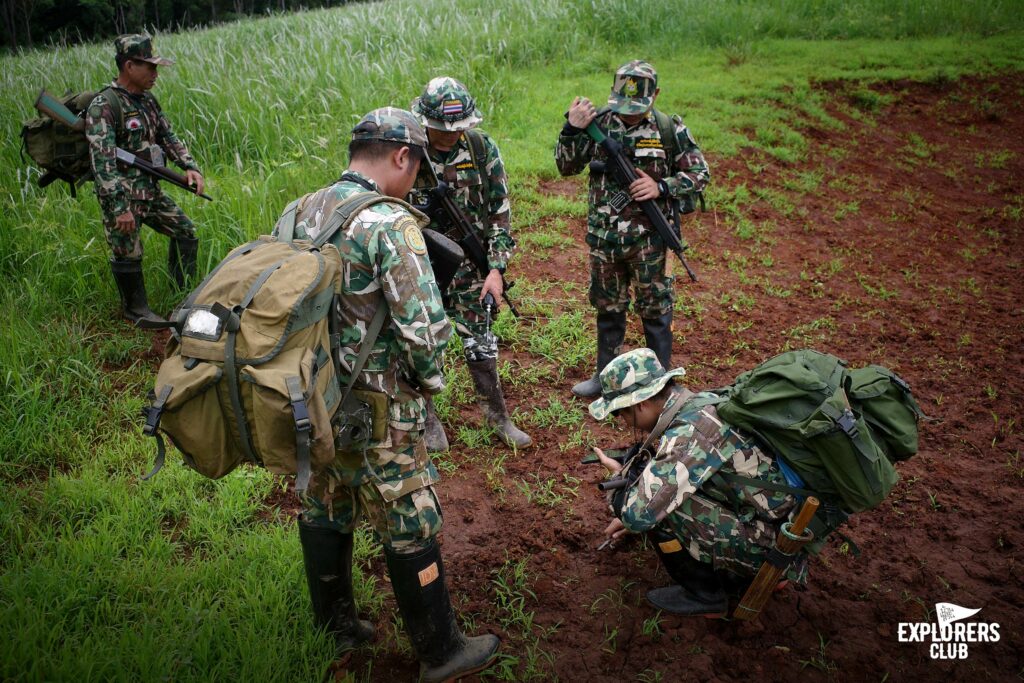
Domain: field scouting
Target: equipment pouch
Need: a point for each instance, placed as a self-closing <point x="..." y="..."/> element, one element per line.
<point x="378" y="404"/>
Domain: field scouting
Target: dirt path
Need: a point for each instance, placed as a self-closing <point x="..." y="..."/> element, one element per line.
<point x="896" y="242"/>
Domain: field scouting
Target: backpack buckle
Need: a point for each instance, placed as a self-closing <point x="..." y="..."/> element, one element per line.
<point x="155" y="411"/>
<point x="848" y="423"/>
<point x="300" y="413"/>
<point x="901" y="383"/>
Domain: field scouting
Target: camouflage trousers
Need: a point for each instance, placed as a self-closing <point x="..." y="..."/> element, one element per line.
<point x="614" y="268"/>
<point x="403" y="513"/>
<point x="714" y="534"/>
<point x="159" y="213"/>
<point x="467" y="313"/>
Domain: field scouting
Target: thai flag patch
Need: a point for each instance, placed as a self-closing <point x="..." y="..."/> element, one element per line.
<point x="451" y="107"/>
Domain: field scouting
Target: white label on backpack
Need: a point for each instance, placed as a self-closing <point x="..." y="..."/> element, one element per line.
<point x="201" y="322"/>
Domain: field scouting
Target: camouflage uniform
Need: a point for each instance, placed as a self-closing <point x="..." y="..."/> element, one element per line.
<point x="485" y="203"/>
<point x="143" y="129"/>
<point x="625" y="249"/>
<point x="479" y="187"/>
<point x="384" y="263"/>
<point x="727" y="526"/>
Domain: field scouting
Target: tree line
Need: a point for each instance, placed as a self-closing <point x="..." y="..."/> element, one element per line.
<point x="29" y="23"/>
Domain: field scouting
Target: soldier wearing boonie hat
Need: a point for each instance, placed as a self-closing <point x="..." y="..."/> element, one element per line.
<point x="469" y="161"/>
<point x="625" y="250"/>
<point x="126" y="115"/>
<point x="707" y="547"/>
<point x="390" y="481"/>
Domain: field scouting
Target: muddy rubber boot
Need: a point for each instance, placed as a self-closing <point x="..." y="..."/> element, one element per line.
<point x="421" y="592"/>
<point x="658" y="333"/>
<point x="433" y="433"/>
<point x="327" y="555"/>
<point x="488" y="387"/>
<point x="611" y="331"/>
<point x="132" y="288"/>
<point x="698" y="590"/>
<point x="181" y="260"/>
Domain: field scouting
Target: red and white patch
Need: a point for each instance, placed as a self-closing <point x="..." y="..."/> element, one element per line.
<point x="133" y="124"/>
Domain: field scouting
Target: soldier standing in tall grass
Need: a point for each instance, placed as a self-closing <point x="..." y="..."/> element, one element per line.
<point x="625" y="250"/>
<point x="469" y="161"/>
<point x="126" y="115"/>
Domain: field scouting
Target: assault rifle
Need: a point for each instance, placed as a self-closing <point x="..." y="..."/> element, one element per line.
<point x="440" y="200"/>
<point x="55" y="109"/>
<point x="626" y="174"/>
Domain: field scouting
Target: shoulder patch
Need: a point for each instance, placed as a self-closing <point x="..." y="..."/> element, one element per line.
<point x="413" y="236"/>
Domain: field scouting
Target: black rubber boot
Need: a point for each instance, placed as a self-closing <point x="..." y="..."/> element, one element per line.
<point x="488" y="387"/>
<point x="181" y="260"/>
<point x="433" y="433"/>
<point x="611" y="332"/>
<point x="658" y="332"/>
<point x="421" y="592"/>
<point x="132" y="288"/>
<point x="327" y="555"/>
<point x="698" y="590"/>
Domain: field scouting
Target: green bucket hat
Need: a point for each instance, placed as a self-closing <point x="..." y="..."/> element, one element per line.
<point x="447" y="105"/>
<point x="633" y="88"/>
<point x="633" y="377"/>
<point x="392" y="125"/>
<point x="139" y="46"/>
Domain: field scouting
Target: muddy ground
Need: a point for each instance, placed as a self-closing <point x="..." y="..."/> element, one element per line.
<point x="897" y="241"/>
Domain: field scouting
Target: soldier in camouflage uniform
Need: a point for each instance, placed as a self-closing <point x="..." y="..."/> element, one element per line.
<point x="126" y="115"/>
<point x="469" y="161"/>
<point x="709" y="533"/>
<point x="625" y="249"/>
<point x="387" y="482"/>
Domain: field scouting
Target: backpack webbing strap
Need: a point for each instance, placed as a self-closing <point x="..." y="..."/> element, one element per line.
<point x="233" y="323"/>
<point x="371" y="336"/>
<point x="285" y="228"/>
<point x="300" y="413"/>
<point x="153" y="414"/>
<point x="478" y="154"/>
<point x="668" y="135"/>
<point x="344" y="212"/>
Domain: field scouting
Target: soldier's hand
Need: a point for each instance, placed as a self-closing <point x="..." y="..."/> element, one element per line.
<point x="125" y="223"/>
<point x="581" y="112"/>
<point x="615" y="530"/>
<point x="195" y="179"/>
<point x="492" y="285"/>
<point x="644" y="187"/>
<point x="611" y="465"/>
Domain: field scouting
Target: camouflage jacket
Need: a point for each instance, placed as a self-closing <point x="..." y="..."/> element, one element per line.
<point x="144" y="126"/>
<point x="696" y="446"/>
<point x="685" y="175"/>
<point x="484" y="200"/>
<point x="384" y="263"/>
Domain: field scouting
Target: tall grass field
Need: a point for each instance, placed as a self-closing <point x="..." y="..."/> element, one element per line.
<point x="106" y="578"/>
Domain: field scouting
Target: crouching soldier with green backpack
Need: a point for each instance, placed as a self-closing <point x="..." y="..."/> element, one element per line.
<point x="393" y="330"/>
<point x="713" y="497"/>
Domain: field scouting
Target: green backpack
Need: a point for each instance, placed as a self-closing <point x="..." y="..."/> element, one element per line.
<point x="251" y="371"/>
<point x="63" y="153"/>
<point x="839" y="430"/>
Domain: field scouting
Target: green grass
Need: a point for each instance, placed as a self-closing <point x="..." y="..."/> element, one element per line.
<point x="106" y="578"/>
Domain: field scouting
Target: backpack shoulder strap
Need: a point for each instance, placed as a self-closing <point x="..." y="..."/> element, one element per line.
<point x="668" y="133"/>
<point x="115" y="105"/>
<point x="284" y="230"/>
<point x="665" y="419"/>
<point x="343" y="213"/>
<point x="478" y="153"/>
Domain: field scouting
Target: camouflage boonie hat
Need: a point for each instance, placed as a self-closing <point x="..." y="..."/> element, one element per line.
<point x="447" y="105"/>
<point x="391" y="125"/>
<point x="139" y="46"/>
<point x="633" y="88"/>
<point x="633" y="377"/>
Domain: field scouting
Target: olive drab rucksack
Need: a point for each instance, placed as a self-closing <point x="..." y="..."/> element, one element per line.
<point x="63" y="153"/>
<point x="836" y="431"/>
<point x="251" y="371"/>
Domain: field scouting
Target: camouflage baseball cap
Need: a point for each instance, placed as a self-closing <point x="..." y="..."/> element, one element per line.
<point x="392" y="125"/>
<point x="447" y="105"/>
<point x="633" y="88"/>
<point x="139" y="46"/>
<point x="633" y="377"/>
